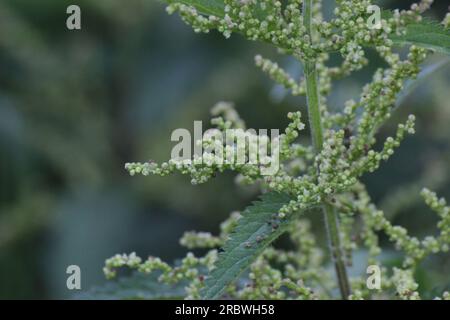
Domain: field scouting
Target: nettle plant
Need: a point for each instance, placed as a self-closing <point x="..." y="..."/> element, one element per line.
<point x="241" y="262"/>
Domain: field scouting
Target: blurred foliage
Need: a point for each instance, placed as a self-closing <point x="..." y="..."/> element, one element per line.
<point x="76" y="105"/>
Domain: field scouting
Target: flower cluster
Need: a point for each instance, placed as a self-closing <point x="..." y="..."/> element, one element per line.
<point x="302" y="268"/>
<point x="188" y="269"/>
<point x="414" y="249"/>
<point x="324" y="175"/>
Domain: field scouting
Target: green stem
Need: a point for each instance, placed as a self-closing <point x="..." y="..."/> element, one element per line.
<point x="332" y="226"/>
<point x="331" y="221"/>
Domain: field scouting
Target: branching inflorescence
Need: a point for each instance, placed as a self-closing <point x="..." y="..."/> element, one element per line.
<point x="324" y="174"/>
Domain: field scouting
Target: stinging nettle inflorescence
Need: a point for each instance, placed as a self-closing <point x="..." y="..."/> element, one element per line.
<point x="310" y="177"/>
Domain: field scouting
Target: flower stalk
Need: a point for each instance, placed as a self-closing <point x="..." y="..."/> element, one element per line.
<point x="313" y="101"/>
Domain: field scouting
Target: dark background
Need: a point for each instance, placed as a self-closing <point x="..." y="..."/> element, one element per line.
<point x="76" y="105"/>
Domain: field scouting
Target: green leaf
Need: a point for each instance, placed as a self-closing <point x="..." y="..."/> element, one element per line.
<point x="137" y="286"/>
<point x="258" y="227"/>
<point x="427" y="34"/>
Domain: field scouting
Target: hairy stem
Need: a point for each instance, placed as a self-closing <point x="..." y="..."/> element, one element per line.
<point x="331" y="221"/>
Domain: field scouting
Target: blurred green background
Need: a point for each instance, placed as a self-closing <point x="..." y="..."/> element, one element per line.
<point x="76" y="105"/>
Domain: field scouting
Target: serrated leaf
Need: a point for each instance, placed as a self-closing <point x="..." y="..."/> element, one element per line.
<point x="258" y="227"/>
<point x="137" y="286"/>
<point x="427" y="33"/>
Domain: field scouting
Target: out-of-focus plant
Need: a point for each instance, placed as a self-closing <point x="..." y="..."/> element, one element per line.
<point x="326" y="174"/>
